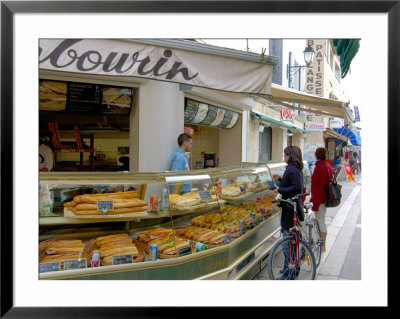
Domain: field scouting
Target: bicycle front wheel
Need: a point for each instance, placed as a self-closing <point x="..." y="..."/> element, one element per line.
<point x="282" y="267"/>
<point x="315" y="241"/>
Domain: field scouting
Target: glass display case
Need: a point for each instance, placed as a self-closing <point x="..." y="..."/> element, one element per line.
<point x="201" y="224"/>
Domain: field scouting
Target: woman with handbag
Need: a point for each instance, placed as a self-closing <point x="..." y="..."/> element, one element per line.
<point x="319" y="182"/>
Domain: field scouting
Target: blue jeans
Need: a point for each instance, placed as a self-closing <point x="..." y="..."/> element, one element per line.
<point x="288" y="274"/>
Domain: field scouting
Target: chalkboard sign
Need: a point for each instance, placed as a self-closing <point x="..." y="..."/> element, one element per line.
<point x="211" y="115"/>
<point x="52" y="266"/>
<point x="122" y="259"/>
<point x="185" y="251"/>
<point x="206" y="196"/>
<point x="83" y="98"/>
<point x="105" y="205"/>
<point x="75" y="264"/>
<point x="191" y="108"/>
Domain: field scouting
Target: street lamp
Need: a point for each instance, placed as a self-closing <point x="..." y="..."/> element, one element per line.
<point x="308" y="57"/>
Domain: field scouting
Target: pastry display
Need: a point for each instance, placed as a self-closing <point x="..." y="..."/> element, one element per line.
<point x="123" y="202"/>
<point x="115" y="245"/>
<point x="52" y="250"/>
<point x="166" y="240"/>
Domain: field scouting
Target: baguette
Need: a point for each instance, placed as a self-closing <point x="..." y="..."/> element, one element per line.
<point x="110" y="212"/>
<point x="117" y="204"/>
<point x="109" y="239"/>
<point x="121" y="249"/>
<point x="174" y="250"/>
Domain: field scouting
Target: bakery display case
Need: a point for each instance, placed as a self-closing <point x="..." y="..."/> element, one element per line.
<point x="203" y="224"/>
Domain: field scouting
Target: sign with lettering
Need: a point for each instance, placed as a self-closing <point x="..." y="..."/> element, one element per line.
<point x="349" y="172"/>
<point x="287" y="114"/>
<point x="105" y="205"/>
<point x="89" y="98"/>
<point x="206" y="196"/>
<point x="159" y="61"/>
<point x="314" y="126"/>
<point x="75" y="264"/>
<point x="185" y="251"/>
<point x="315" y="73"/>
<point x="122" y="259"/>
<point x="51" y="266"/>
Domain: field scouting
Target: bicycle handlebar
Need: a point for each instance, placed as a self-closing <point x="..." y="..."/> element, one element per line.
<point x="291" y="200"/>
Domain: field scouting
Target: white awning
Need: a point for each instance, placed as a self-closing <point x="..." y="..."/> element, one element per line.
<point x="165" y="60"/>
<point x="313" y="104"/>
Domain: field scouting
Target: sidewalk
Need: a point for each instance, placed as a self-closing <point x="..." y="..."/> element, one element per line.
<point x="342" y="259"/>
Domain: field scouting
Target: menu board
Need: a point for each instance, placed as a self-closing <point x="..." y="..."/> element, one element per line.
<point x="84" y="98"/>
<point x="234" y="119"/>
<point x="211" y="115"/>
<point x="201" y="113"/>
<point x="227" y="119"/>
<point x="116" y="100"/>
<point x="191" y="108"/>
<point x="52" y="95"/>
<point x="219" y="118"/>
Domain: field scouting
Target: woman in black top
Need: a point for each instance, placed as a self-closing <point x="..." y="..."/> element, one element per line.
<point x="292" y="184"/>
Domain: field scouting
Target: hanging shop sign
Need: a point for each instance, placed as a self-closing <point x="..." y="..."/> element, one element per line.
<point x="73" y="97"/>
<point x="117" y="57"/>
<point x="315" y="126"/>
<point x="287" y="114"/>
<point x="314" y="74"/>
<point x="209" y="115"/>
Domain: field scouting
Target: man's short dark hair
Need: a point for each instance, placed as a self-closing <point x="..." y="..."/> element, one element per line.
<point x="183" y="138"/>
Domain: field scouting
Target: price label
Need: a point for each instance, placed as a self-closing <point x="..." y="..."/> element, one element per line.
<point x="52" y="266"/>
<point x="242" y="188"/>
<point x="206" y="196"/>
<point x="185" y="251"/>
<point x="243" y="229"/>
<point x="105" y="205"/>
<point x="227" y="239"/>
<point x="122" y="259"/>
<point x="255" y="222"/>
<point x="75" y="264"/>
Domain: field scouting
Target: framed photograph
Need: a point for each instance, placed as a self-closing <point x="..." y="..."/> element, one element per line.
<point x="23" y="23"/>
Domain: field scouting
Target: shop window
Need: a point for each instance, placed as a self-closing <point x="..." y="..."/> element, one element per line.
<point x="265" y="145"/>
<point x="289" y="140"/>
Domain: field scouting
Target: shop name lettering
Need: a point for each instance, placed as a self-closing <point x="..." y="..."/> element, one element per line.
<point x="91" y="59"/>
<point x="315" y="73"/>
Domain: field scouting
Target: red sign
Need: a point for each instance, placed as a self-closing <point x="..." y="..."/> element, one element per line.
<point x="287" y="114"/>
<point x="349" y="172"/>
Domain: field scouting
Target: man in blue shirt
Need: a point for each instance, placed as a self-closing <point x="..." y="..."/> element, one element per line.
<point x="179" y="160"/>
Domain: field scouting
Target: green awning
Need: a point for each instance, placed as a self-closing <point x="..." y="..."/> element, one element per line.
<point x="280" y="123"/>
<point x="346" y="49"/>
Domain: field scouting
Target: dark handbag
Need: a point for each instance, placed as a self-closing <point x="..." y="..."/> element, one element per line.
<point x="333" y="190"/>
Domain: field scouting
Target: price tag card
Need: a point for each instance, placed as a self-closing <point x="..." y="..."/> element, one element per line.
<point x="255" y="223"/>
<point x="105" y="205"/>
<point x="122" y="259"/>
<point x="205" y="196"/>
<point x="75" y="264"/>
<point x="243" y="229"/>
<point x="52" y="266"/>
<point x="242" y="188"/>
<point x="185" y="251"/>
<point x="227" y="239"/>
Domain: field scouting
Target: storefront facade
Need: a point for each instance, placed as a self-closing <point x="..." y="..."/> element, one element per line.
<point x="157" y="113"/>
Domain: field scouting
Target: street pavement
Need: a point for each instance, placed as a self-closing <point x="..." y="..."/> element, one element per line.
<point x="342" y="259"/>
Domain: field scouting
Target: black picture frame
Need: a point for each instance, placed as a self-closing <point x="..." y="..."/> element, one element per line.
<point x="9" y="8"/>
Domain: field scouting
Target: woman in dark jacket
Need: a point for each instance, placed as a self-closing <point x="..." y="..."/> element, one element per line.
<point x="292" y="184"/>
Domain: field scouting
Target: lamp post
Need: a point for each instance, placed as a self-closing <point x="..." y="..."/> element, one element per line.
<point x="308" y="57"/>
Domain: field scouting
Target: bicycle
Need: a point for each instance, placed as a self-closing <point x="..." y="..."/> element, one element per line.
<point x="312" y="233"/>
<point x="291" y="257"/>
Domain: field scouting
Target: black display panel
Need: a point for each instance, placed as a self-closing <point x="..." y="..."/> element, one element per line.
<point x="211" y="115"/>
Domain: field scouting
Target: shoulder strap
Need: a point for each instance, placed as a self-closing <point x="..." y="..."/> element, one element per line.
<point x="327" y="173"/>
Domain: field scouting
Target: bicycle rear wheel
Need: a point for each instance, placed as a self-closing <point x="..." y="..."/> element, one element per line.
<point x="279" y="267"/>
<point x="315" y="241"/>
